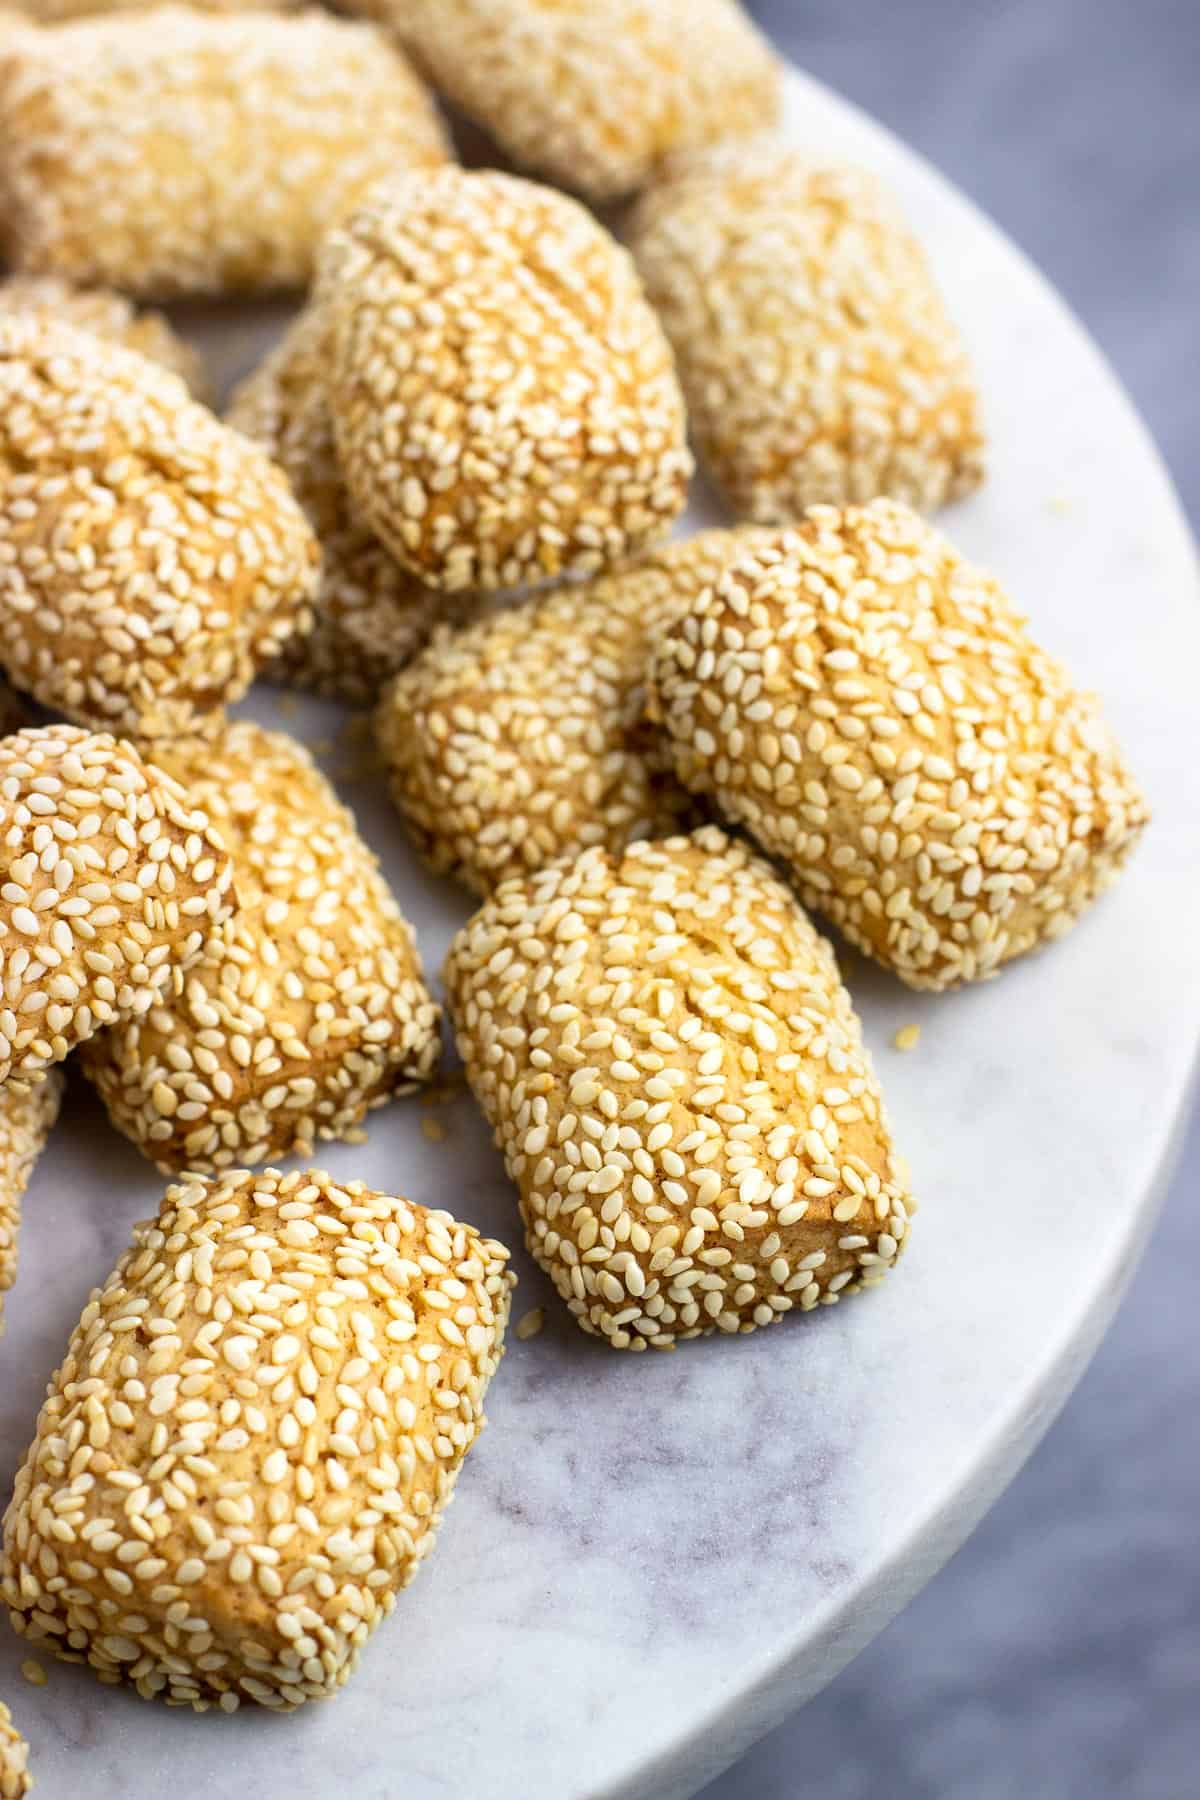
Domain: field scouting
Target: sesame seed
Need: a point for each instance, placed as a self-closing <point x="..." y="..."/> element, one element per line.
<point x="907" y="1038"/>
<point x="267" y="1499"/>
<point x="33" y="1672"/>
<point x="209" y="155"/>
<point x="306" y="1009"/>
<point x="530" y="1323"/>
<point x="817" y="357"/>
<point x="685" y="1221"/>
<point x="486" y="330"/>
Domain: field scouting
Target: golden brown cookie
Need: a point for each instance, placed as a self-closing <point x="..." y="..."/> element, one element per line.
<point x="677" y="1080"/>
<point x="592" y="94"/>
<point x="873" y="711"/>
<point x="306" y="1008"/>
<point x="204" y="154"/>
<point x="150" y="558"/>
<point x="816" y="354"/>
<point x="268" y="1403"/>
<point x="504" y="400"/>
<point x="112" y="883"/>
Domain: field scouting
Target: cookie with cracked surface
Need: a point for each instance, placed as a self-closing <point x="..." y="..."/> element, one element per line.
<point x="504" y="401"/>
<point x="150" y="558"/>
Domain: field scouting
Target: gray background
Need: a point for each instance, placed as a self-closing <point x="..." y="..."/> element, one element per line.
<point x="1058" y="1656"/>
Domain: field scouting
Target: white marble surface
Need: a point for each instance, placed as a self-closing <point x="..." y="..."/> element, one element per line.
<point x="652" y="1559"/>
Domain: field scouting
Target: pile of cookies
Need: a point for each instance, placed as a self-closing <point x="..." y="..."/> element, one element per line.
<point x="447" y="496"/>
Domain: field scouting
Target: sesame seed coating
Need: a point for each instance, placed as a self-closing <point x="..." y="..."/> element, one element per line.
<point x="372" y="615"/>
<point x="504" y="399"/>
<point x="111" y="316"/>
<point x="15" y="1779"/>
<point x="816" y="354"/>
<point x="27" y="1116"/>
<point x="245" y="1453"/>
<point x="592" y="94"/>
<point x="677" y="1080"/>
<point x="208" y="154"/>
<point x="305" y="1009"/>
<point x="111" y="884"/>
<point x="150" y="558"/>
<point x="55" y="12"/>
<point x="871" y="708"/>
<point x="522" y="738"/>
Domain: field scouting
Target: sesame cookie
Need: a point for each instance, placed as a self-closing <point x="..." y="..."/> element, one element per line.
<point x="817" y="356"/>
<point x="112" y="883"/>
<point x="207" y="154"/>
<point x="27" y="1116"/>
<point x="592" y="94"/>
<point x="108" y="315"/>
<point x="306" y="1008"/>
<point x="57" y="12"/>
<point x="150" y="558"/>
<point x="268" y="1405"/>
<point x="372" y="615"/>
<point x="504" y="400"/>
<point x="871" y="708"/>
<point x="677" y="1080"/>
<point x="15" y="1779"/>
<point x="522" y="738"/>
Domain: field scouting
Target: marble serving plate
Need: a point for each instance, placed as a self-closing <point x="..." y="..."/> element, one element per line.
<point x="652" y="1559"/>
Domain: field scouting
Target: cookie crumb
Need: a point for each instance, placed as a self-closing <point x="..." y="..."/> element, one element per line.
<point x="530" y="1323"/>
<point x="34" y="1673"/>
<point x="907" y="1038"/>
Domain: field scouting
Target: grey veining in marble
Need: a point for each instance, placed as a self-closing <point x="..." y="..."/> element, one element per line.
<point x="651" y="1559"/>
